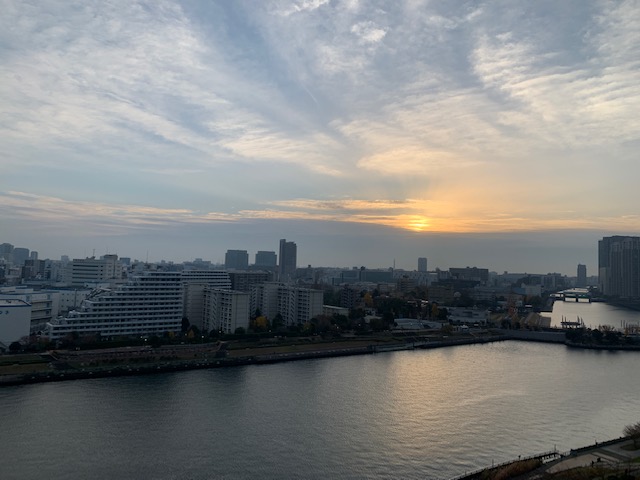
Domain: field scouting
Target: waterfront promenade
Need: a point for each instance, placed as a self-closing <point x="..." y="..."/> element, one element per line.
<point x="611" y="459"/>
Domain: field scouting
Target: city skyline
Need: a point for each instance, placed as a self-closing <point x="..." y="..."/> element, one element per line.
<point x="501" y="135"/>
<point x="405" y="264"/>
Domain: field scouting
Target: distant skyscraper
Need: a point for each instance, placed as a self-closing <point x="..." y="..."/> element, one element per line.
<point x="288" y="260"/>
<point x="6" y="251"/>
<point x="619" y="266"/>
<point x="422" y="264"/>
<point x="20" y="255"/>
<point x="582" y="276"/>
<point x="33" y="255"/>
<point x="236" y="260"/>
<point x="266" y="259"/>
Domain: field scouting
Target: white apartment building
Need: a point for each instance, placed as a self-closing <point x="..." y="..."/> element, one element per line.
<point x="149" y="303"/>
<point x="225" y="310"/>
<point x="295" y="304"/>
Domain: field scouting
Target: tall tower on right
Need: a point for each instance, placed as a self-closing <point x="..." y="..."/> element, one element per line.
<point x="619" y="266"/>
<point x="422" y="264"/>
<point x="288" y="260"/>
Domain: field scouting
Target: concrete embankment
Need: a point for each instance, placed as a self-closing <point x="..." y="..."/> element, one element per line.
<point x="534" y="335"/>
<point x="164" y="367"/>
<point x="254" y="358"/>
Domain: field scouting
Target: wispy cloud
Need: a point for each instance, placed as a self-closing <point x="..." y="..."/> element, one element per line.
<point x="429" y="116"/>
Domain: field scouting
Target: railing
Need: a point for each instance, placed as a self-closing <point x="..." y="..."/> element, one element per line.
<point x="541" y="456"/>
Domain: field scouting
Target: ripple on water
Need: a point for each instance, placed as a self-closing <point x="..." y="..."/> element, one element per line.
<point x="412" y="414"/>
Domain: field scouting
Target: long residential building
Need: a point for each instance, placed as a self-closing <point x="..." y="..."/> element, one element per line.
<point x="149" y="303"/>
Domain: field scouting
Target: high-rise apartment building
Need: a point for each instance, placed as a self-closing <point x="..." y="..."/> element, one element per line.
<point x="225" y="310"/>
<point x="20" y="255"/>
<point x="244" y="281"/>
<point x="581" y="280"/>
<point x="194" y="283"/>
<point x="6" y="252"/>
<point x="288" y="260"/>
<point x="267" y="260"/>
<point x="297" y="305"/>
<point x="422" y="264"/>
<point x="149" y="303"/>
<point x="619" y="266"/>
<point x="236" y="260"/>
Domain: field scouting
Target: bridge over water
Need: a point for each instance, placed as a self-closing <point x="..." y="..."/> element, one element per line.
<point x="573" y="294"/>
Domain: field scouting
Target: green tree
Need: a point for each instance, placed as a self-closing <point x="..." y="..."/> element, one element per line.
<point x="341" y="321"/>
<point x="185" y="325"/>
<point x="633" y="432"/>
<point x="596" y="335"/>
<point x="240" y="331"/>
<point x="277" y="321"/>
<point x="194" y="332"/>
<point x="15" y="347"/>
<point x="377" y="324"/>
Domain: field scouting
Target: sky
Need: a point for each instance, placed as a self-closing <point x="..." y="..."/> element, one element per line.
<point x="501" y="134"/>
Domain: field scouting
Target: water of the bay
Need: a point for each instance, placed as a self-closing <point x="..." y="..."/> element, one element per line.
<point x="593" y="314"/>
<point x="410" y="414"/>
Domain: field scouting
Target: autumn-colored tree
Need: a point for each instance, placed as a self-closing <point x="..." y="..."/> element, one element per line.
<point x="368" y="300"/>
<point x="261" y="324"/>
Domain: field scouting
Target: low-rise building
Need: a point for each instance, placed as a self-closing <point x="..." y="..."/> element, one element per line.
<point x="15" y="320"/>
<point x="44" y="304"/>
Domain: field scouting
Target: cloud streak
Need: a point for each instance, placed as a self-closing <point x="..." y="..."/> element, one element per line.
<point x="410" y="214"/>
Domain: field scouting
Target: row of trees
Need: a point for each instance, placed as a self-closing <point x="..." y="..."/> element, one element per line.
<point x="603" y="335"/>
